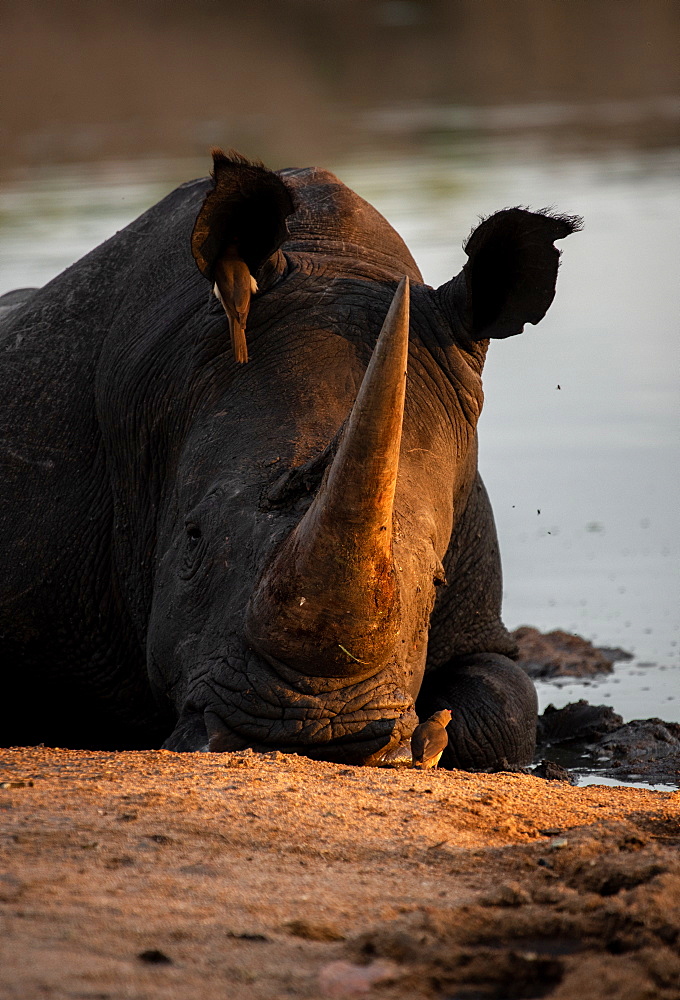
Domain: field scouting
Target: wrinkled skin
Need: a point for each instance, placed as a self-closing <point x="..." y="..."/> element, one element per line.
<point x="150" y="483"/>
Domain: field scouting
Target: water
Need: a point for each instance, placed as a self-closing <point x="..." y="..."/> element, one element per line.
<point x="593" y="778"/>
<point x="636" y="690"/>
<point x="579" y="437"/>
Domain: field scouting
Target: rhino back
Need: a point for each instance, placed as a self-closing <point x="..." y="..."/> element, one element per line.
<point x="54" y="493"/>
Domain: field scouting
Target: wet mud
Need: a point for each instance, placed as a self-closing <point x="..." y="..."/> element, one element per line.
<point x="546" y="655"/>
<point x="643" y="750"/>
<point x="593" y="738"/>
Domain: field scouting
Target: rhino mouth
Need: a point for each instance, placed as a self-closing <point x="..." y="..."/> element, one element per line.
<point x="265" y="706"/>
<point x="369" y="745"/>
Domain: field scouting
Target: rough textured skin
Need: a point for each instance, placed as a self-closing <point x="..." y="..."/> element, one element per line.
<point x="147" y="479"/>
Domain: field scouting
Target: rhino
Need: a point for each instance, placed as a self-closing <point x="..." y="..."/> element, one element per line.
<point x="293" y="552"/>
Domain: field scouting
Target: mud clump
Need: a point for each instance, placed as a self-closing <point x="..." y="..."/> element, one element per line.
<point x="551" y="771"/>
<point x="579" y="720"/>
<point x="649" y="748"/>
<point x="545" y="655"/>
<point x="312" y="931"/>
<point x="646" y="749"/>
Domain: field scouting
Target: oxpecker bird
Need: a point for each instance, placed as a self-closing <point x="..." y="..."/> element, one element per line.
<point x="234" y="284"/>
<point x="430" y="739"/>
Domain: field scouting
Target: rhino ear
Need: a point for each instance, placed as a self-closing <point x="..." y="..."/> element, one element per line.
<point x="509" y="279"/>
<point x="243" y="216"/>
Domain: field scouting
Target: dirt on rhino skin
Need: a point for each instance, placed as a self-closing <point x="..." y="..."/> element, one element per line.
<point x="162" y="876"/>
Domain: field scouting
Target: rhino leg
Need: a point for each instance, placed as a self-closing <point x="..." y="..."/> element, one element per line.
<point x="494" y="708"/>
<point x="470" y="667"/>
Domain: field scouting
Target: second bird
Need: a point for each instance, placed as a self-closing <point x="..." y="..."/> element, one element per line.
<point x="430" y="739"/>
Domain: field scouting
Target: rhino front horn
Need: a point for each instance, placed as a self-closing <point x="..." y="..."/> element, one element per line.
<point x="329" y="603"/>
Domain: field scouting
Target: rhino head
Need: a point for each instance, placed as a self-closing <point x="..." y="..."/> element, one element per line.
<point x="314" y="493"/>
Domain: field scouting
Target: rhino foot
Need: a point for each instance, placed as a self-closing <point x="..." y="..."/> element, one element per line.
<point x="494" y="708"/>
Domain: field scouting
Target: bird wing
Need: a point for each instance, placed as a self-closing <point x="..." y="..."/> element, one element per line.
<point x="428" y="740"/>
<point x="233" y="287"/>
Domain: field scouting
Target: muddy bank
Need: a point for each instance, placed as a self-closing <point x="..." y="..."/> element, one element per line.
<point x="644" y="750"/>
<point x="593" y="737"/>
<point x="547" y="655"/>
<point x="269" y="80"/>
<point x="160" y="875"/>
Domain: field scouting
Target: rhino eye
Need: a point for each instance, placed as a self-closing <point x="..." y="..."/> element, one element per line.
<point x="193" y="532"/>
<point x="193" y="551"/>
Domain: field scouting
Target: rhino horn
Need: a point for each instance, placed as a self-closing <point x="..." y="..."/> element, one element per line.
<point x="329" y="603"/>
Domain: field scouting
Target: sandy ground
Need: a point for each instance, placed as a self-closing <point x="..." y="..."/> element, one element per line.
<point x="159" y="875"/>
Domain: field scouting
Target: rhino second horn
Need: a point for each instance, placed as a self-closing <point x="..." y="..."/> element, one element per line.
<point x="329" y="603"/>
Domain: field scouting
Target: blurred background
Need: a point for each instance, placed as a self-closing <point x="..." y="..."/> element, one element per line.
<point x="437" y="111"/>
<point x="309" y="80"/>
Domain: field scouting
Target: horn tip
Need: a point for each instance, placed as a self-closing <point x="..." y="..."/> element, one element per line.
<point x="401" y="303"/>
<point x="402" y="297"/>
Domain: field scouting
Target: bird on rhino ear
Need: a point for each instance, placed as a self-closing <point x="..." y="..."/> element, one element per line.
<point x="509" y="278"/>
<point x="241" y="224"/>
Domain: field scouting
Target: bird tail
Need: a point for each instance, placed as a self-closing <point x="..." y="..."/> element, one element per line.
<point x="239" y="345"/>
<point x="234" y="285"/>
